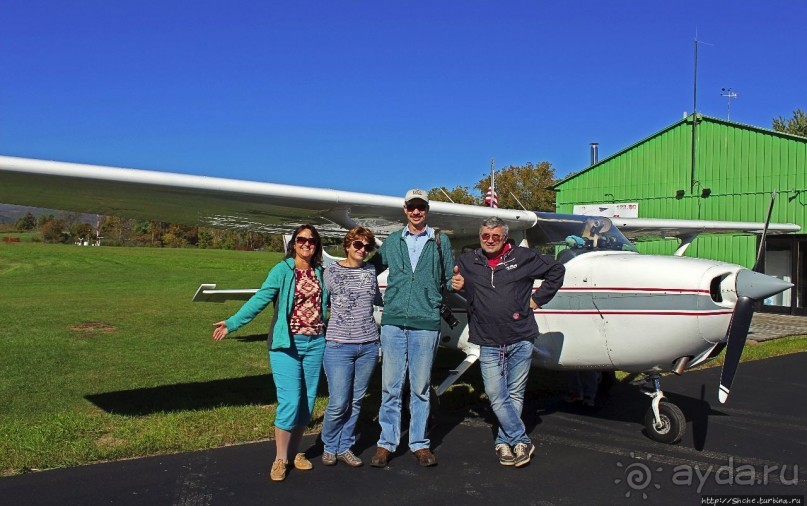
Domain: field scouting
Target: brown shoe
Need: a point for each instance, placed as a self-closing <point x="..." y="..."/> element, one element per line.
<point x="381" y="457"/>
<point x="425" y="457"/>
<point x="279" y="468"/>
<point x="302" y="463"/>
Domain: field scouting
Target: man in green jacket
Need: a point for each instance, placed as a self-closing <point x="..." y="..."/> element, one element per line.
<point x="410" y="326"/>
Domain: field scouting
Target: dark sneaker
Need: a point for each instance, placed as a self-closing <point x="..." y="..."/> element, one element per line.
<point x="505" y="454"/>
<point x="328" y="459"/>
<point x="425" y="457"/>
<point x="523" y="453"/>
<point x="349" y="458"/>
<point x="381" y="457"/>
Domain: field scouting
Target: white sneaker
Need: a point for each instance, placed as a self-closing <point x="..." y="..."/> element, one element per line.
<point x="349" y="458"/>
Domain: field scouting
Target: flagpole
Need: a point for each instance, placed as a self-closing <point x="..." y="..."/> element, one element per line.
<point x="492" y="183"/>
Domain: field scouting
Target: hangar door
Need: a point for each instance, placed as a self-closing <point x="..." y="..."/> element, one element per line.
<point x="786" y="258"/>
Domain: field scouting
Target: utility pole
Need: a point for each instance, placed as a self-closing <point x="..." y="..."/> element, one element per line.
<point x="694" y="116"/>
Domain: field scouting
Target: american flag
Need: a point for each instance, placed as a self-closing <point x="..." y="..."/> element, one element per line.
<point x="491" y="199"/>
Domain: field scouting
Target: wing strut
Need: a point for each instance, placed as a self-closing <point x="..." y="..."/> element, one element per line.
<point x="455" y="374"/>
<point x="686" y="240"/>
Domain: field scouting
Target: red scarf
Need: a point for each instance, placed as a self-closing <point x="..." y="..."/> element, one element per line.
<point x="493" y="262"/>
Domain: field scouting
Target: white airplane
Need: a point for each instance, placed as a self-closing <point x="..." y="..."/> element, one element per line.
<point x="617" y="309"/>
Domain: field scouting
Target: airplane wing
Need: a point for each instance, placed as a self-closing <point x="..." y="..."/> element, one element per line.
<point x="276" y="208"/>
<point x="221" y="202"/>
<point x="646" y="228"/>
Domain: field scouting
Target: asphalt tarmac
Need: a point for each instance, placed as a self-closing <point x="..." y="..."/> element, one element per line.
<point x="754" y="447"/>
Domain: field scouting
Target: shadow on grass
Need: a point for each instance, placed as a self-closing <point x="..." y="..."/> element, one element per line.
<point x="252" y="338"/>
<point x="249" y="390"/>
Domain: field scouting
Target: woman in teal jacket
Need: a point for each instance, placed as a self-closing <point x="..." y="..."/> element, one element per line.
<point x="296" y="340"/>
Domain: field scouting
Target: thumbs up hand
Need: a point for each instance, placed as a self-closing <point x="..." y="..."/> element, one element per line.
<point x="457" y="281"/>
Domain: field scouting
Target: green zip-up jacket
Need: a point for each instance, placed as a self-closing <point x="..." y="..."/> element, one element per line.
<point x="412" y="299"/>
<point x="278" y="288"/>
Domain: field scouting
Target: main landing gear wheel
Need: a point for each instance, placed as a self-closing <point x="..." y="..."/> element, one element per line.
<point x="672" y="424"/>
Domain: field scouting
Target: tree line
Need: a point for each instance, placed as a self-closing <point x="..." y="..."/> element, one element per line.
<point x="797" y="125"/>
<point x="68" y="228"/>
<point x="517" y="187"/>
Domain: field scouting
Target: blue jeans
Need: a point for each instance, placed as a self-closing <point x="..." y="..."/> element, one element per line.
<point x="584" y="384"/>
<point x="348" y="368"/>
<point x="504" y="372"/>
<point x="296" y="371"/>
<point x="413" y="350"/>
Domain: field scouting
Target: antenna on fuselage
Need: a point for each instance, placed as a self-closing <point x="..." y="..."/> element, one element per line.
<point x="519" y="202"/>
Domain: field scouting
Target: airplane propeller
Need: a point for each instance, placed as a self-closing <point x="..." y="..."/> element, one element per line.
<point x="751" y="287"/>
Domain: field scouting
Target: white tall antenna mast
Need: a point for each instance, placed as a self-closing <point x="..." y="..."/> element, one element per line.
<point x="726" y="92"/>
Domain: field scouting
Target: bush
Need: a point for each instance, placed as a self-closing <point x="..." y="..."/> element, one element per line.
<point x="54" y="232"/>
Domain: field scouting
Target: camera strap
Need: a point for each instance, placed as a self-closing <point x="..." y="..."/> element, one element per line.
<point x="440" y="255"/>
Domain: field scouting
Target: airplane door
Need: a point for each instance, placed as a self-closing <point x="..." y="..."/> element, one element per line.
<point x="573" y="331"/>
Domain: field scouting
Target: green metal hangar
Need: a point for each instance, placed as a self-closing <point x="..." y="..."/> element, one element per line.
<point x="704" y="168"/>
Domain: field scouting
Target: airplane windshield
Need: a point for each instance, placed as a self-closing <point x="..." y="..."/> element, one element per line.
<point x="574" y="235"/>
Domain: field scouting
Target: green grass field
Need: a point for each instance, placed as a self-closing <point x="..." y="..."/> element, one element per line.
<point x="104" y="356"/>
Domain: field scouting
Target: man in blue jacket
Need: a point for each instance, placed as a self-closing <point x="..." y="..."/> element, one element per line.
<point x="498" y="279"/>
<point x="410" y="326"/>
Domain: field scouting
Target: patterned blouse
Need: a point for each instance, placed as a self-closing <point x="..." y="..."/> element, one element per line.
<point x="353" y="291"/>
<point x="306" y="313"/>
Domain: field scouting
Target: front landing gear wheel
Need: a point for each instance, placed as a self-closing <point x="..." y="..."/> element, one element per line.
<point x="672" y="426"/>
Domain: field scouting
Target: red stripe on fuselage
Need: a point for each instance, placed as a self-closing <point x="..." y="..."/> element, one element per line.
<point x="629" y="289"/>
<point x="633" y="313"/>
<point x="619" y="289"/>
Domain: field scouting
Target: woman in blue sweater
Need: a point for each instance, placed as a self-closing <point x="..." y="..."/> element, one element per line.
<point x="296" y="340"/>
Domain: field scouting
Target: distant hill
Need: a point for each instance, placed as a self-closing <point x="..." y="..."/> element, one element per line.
<point x="11" y="213"/>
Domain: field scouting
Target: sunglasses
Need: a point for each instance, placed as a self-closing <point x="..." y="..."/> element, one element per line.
<point x="358" y="245"/>
<point x="419" y="207"/>
<point x="490" y="237"/>
<point x="300" y="240"/>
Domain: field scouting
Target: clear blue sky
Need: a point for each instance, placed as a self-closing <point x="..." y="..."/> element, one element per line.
<point x="379" y="96"/>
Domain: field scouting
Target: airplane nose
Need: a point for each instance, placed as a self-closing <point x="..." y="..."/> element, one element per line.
<point x="757" y="286"/>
